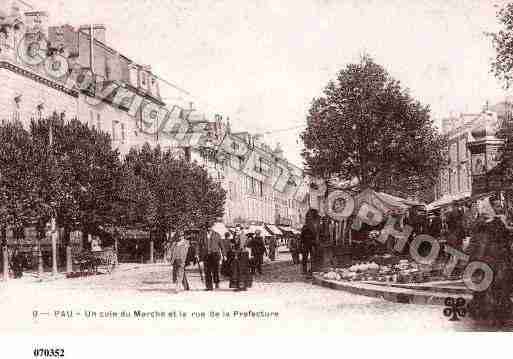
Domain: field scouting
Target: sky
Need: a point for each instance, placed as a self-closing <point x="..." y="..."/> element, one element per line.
<point x="262" y="62"/>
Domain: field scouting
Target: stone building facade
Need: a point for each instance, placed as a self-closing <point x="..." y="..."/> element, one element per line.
<point x="30" y="90"/>
<point x="456" y="178"/>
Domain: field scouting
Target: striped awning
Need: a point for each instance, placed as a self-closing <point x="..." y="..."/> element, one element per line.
<point x="264" y="232"/>
<point x="274" y="230"/>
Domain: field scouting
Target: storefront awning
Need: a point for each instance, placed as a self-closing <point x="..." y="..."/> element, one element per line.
<point x="289" y="230"/>
<point x="384" y="202"/>
<point x="264" y="232"/>
<point x="220" y="228"/>
<point x="446" y="200"/>
<point x="274" y="230"/>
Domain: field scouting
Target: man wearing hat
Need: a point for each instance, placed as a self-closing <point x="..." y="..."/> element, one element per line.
<point x="257" y="246"/>
<point x="213" y="250"/>
<point x="177" y="257"/>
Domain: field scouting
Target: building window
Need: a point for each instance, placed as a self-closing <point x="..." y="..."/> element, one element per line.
<point x="123" y="132"/>
<point x="114" y="125"/>
<point x="453" y="153"/>
<point x="231" y="191"/>
<point x="463" y="149"/>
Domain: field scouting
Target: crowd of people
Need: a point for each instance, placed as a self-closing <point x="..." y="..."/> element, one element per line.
<point x="239" y="256"/>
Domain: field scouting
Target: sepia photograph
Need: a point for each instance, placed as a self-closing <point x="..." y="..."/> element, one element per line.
<point x="238" y="168"/>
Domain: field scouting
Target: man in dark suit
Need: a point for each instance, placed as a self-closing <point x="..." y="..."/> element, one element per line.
<point x="308" y="240"/>
<point x="258" y="250"/>
<point x="212" y="250"/>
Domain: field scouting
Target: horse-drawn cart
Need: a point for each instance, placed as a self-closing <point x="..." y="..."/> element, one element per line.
<point x="92" y="261"/>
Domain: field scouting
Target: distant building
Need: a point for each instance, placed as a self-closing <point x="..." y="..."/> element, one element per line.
<point x="252" y="199"/>
<point x="455" y="180"/>
<point x="31" y="91"/>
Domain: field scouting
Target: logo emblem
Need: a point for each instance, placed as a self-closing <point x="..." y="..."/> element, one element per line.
<point x="455" y="308"/>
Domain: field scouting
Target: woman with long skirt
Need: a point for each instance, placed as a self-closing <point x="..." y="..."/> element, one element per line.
<point x="241" y="278"/>
<point x="491" y="244"/>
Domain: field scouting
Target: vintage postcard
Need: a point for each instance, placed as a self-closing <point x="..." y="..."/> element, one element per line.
<point x="220" y="167"/>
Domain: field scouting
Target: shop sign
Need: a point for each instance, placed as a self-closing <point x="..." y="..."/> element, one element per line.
<point x="479" y="184"/>
<point x="492" y="157"/>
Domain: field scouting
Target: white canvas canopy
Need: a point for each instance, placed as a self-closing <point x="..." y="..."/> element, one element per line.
<point x="384" y="202"/>
<point x="275" y="230"/>
<point x="265" y="233"/>
<point x="220" y="228"/>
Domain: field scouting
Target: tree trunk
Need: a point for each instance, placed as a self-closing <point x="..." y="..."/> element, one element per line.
<point x="40" y="264"/>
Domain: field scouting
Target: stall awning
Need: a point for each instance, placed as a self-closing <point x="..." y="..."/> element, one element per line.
<point x="447" y="199"/>
<point x="274" y="230"/>
<point x="384" y="202"/>
<point x="264" y="232"/>
<point x="220" y="228"/>
<point x="287" y="230"/>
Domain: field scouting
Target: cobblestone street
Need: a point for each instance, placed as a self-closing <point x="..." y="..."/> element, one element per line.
<point x="301" y="306"/>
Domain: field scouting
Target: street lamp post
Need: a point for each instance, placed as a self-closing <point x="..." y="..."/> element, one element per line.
<point x="53" y="234"/>
<point x="53" y="220"/>
<point x="40" y="268"/>
<point x="5" y="255"/>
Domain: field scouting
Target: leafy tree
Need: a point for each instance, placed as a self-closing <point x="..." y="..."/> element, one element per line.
<point x="22" y="202"/>
<point x="365" y="126"/>
<point x="81" y="173"/>
<point x="185" y="195"/>
<point x="502" y="68"/>
<point x="502" y="65"/>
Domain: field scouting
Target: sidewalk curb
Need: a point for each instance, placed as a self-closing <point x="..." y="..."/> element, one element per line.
<point x="392" y="294"/>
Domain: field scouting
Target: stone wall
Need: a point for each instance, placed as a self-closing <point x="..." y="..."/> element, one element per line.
<point x="30" y="93"/>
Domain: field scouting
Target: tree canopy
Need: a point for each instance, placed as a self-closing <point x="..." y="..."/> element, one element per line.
<point x="184" y="194"/>
<point x="80" y="171"/>
<point x="66" y="169"/>
<point x="502" y="68"/>
<point x="365" y="126"/>
<point x="502" y="40"/>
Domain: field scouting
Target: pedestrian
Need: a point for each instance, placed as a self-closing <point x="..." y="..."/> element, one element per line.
<point x="17" y="263"/>
<point x="212" y="252"/>
<point x="308" y="239"/>
<point x="455" y="228"/>
<point x="241" y="278"/>
<point x="294" y="249"/>
<point x="491" y="244"/>
<point x="435" y="226"/>
<point x="272" y="248"/>
<point x="257" y="246"/>
<point x="226" y="265"/>
<point x="177" y="257"/>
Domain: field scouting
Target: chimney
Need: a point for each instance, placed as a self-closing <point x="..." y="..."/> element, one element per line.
<point x="37" y="21"/>
<point x="99" y="32"/>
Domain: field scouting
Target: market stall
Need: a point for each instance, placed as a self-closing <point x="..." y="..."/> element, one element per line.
<point x="384" y="202"/>
<point x="264" y="232"/>
<point x="220" y="228"/>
